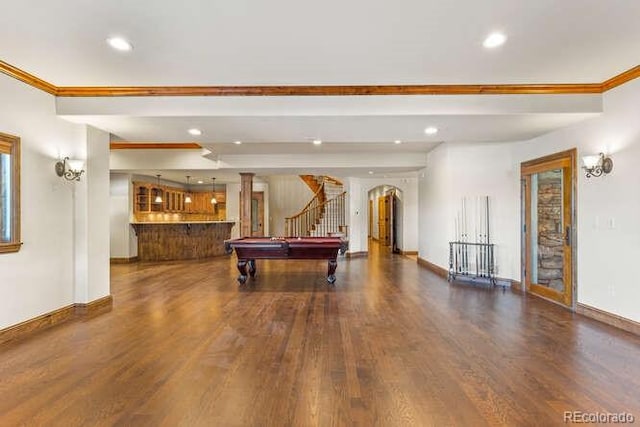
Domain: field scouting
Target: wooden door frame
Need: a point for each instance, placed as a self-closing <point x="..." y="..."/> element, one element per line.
<point x="379" y="202"/>
<point x="385" y="201"/>
<point x="388" y="218"/>
<point x="564" y="160"/>
<point x="370" y="218"/>
<point x="259" y="195"/>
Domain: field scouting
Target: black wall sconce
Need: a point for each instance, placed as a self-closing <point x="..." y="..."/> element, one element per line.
<point x="69" y="169"/>
<point x="597" y="165"/>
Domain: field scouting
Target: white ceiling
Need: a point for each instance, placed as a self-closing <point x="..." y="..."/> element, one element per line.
<point x="289" y="42"/>
<point x="232" y="176"/>
<point x="295" y="134"/>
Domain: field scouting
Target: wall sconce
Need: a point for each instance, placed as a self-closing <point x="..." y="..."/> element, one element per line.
<point x="597" y="165"/>
<point x="69" y="169"/>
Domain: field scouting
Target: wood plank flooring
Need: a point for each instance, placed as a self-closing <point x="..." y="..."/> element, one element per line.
<point x="391" y="345"/>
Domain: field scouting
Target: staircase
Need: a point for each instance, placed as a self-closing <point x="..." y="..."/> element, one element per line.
<point x="324" y="215"/>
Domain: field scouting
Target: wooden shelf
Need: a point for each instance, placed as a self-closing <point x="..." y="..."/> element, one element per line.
<point x="173" y="202"/>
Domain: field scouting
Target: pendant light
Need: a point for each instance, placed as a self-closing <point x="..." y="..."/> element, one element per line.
<point x="158" y="192"/>
<point x="213" y="185"/>
<point x="187" y="199"/>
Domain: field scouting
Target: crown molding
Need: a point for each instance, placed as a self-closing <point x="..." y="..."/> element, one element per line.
<point x="622" y="78"/>
<point x="27" y="78"/>
<point x="487" y="89"/>
<point x="154" y="145"/>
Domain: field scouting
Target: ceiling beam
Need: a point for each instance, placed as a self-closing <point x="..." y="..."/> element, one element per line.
<point x="482" y="89"/>
<point x="500" y="89"/>
<point x="154" y="145"/>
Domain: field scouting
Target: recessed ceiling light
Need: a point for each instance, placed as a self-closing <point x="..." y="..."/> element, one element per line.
<point x="431" y="130"/>
<point x="397" y="141"/>
<point x="370" y="172"/>
<point x="118" y="43"/>
<point x="200" y="181"/>
<point x="494" y="40"/>
<point x="237" y="142"/>
<point x="317" y="142"/>
<point x="195" y="132"/>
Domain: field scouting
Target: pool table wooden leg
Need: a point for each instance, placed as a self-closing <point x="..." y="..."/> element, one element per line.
<point x="242" y="268"/>
<point x="252" y="267"/>
<point x="331" y="277"/>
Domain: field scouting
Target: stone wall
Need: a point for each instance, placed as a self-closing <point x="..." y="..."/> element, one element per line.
<point x="550" y="230"/>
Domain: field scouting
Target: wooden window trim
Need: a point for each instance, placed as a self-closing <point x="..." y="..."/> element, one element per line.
<point x="10" y="144"/>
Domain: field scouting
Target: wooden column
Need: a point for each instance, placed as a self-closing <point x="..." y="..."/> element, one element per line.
<point x="246" y="190"/>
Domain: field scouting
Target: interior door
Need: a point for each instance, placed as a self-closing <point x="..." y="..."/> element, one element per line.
<point x="370" y="217"/>
<point x="257" y="213"/>
<point x="394" y="223"/>
<point x="384" y="219"/>
<point x="548" y="234"/>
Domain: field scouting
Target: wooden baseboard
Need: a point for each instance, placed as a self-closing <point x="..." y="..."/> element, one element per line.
<point x="433" y="268"/>
<point x="99" y="306"/>
<point x="361" y="254"/>
<point x="39" y="323"/>
<point x="408" y="252"/>
<point x="444" y="273"/>
<point x="123" y="260"/>
<point x="55" y="317"/>
<point x="609" y="318"/>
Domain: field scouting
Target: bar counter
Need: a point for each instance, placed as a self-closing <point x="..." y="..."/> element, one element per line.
<point x="179" y="240"/>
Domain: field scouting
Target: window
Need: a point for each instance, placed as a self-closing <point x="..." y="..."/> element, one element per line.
<point x="9" y="193"/>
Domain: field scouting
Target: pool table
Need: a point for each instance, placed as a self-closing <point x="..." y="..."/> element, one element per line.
<point x="248" y="249"/>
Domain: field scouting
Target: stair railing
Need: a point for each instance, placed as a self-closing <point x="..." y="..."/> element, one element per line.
<point x="325" y="217"/>
<point x="300" y="223"/>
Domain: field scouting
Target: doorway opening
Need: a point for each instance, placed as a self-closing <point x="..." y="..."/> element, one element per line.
<point x="257" y="214"/>
<point x="385" y="217"/>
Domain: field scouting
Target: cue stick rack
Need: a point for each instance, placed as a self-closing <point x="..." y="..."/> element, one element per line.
<point x="471" y="253"/>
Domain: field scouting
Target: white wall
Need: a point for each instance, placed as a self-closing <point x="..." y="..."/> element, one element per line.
<point x="608" y="208"/>
<point x="435" y="226"/>
<point x="358" y="199"/>
<point x="233" y="208"/>
<point x="483" y="170"/>
<point x="91" y="220"/>
<point x="375" y="214"/>
<point x="96" y="182"/>
<point x="123" y="240"/>
<point x="40" y="277"/>
<point x="357" y="214"/>
<point x="605" y="251"/>
<point x="233" y="205"/>
<point x="288" y="194"/>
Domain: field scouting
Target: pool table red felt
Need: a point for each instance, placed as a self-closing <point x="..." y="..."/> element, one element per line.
<point x="248" y="249"/>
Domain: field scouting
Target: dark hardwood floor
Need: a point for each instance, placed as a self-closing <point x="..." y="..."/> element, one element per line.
<point x="391" y="345"/>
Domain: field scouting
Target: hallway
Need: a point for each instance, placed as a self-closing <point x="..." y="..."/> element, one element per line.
<point x="391" y="344"/>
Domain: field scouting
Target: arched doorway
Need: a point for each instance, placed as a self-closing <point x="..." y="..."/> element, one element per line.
<point x="385" y="217"/>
